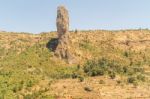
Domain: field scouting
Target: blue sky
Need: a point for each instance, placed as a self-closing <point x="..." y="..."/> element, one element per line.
<point x="40" y="15"/>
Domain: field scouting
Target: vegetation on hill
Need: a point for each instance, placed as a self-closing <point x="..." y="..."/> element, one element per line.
<point x="26" y="60"/>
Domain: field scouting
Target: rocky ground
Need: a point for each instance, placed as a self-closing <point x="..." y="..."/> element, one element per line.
<point x="95" y="88"/>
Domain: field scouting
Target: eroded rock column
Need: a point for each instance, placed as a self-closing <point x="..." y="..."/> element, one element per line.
<point x="62" y="22"/>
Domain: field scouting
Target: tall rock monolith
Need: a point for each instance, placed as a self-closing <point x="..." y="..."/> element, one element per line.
<point x="62" y="22"/>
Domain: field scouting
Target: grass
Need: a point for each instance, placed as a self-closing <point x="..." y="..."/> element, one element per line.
<point x="25" y="61"/>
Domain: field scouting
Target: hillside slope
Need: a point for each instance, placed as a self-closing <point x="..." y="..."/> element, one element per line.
<point x="26" y="59"/>
<point x="84" y="44"/>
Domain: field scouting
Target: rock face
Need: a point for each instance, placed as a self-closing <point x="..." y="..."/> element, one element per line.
<point x="62" y="21"/>
<point x="63" y="51"/>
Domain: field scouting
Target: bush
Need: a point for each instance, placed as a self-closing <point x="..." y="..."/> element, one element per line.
<point x="131" y="79"/>
<point x="29" y="83"/>
<point x="17" y="87"/>
<point x="138" y="69"/>
<point x="112" y="75"/>
<point x="125" y="69"/>
<point x="101" y="67"/>
<point x="81" y="79"/>
<point x="95" y="72"/>
<point x="112" y="67"/>
<point x="101" y="82"/>
<point x="141" y="77"/>
<point x="95" y="68"/>
<point x="126" y="54"/>
<point x="87" y="89"/>
<point x="63" y="72"/>
<point x="74" y="75"/>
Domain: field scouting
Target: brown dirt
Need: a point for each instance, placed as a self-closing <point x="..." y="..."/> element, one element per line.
<point x="74" y="89"/>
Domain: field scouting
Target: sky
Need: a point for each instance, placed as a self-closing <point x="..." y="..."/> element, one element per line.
<point x="37" y="16"/>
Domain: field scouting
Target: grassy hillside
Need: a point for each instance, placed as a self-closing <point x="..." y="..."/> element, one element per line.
<point x="28" y="66"/>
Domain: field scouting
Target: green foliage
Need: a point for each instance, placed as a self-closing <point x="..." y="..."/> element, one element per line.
<point x="29" y="83"/>
<point x="28" y="61"/>
<point x="98" y="67"/>
<point x="101" y="82"/>
<point x="126" y="54"/>
<point x="81" y="79"/>
<point x="141" y="77"/>
<point x="17" y="87"/>
<point x="93" y="68"/>
<point x="62" y="72"/>
<point x="112" y="75"/>
<point x="131" y="79"/>
<point x="38" y="95"/>
<point x="74" y="75"/>
<point x="86" y="45"/>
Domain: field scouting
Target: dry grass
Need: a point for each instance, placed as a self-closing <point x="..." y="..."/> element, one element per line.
<point x="25" y="57"/>
<point x="74" y="89"/>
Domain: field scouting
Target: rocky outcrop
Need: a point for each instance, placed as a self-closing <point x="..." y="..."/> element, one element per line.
<point x="62" y="21"/>
<point x="63" y="51"/>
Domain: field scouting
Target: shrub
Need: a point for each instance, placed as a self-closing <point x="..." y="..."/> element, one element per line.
<point x="118" y="82"/>
<point x="101" y="82"/>
<point x="112" y="75"/>
<point x="138" y="69"/>
<point x="74" y="75"/>
<point x="63" y="72"/>
<point x="17" y="87"/>
<point x="81" y="79"/>
<point x="101" y="67"/>
<point x="141" y="77"/>
<point x="125" y="69"/>
<point x="126" y="54"/>
<point x="131" y="79"/>
<point x="95" y="68"/>
<point x="78" y="67"/>
<point x="96" y="72"/>
<point x="87" y="89"/>
<point x="86" y="45"/>
<point x="112" y="67"/>
<point x="28" y="96"/>
<point x="29" y="83"/>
